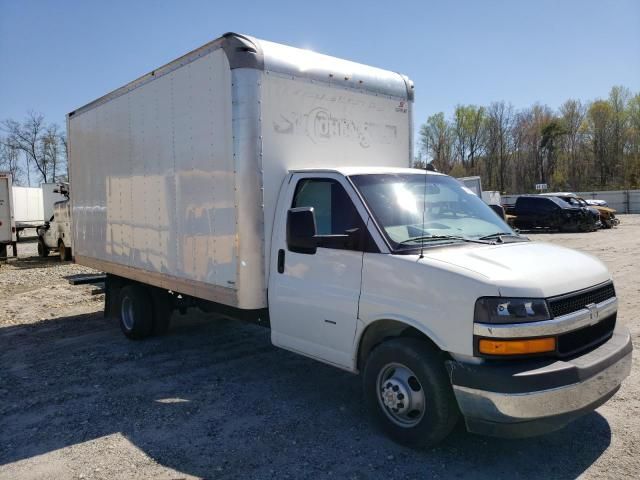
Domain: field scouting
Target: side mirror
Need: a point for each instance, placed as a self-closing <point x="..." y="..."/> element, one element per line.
<point x="302" y="234"/>
<point x="301" y="230"/>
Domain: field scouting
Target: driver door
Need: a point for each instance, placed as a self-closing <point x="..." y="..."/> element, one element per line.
<point x="313" y="297"/>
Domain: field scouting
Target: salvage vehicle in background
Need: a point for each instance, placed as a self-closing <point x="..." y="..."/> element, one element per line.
<point x="270" y="184"/>
<point x="606" y="216"/>
<point x="533" y="212"/>
<point x="596" y="202"/>
<point x="574" y="201"/>
<point x="55" y="234"/>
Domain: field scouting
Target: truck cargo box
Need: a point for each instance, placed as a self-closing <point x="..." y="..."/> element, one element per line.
<point x="174" y="176"/>
<point x="7" y="230"/>
<point x="27" y="206"/>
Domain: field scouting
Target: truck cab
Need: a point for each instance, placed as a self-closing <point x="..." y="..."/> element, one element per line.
<point x="55" y="234"/>
<point x="409" y="278"/>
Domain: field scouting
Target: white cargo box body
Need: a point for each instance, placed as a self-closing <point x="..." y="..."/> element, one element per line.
<point x="49" y="199"/>
<point x="27" y="205"/>
<point x="175" y="176"/>
<point x="6" y="209"/>
<point x="472" y="183"/>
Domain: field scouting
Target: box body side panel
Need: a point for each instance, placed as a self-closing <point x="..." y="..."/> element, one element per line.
<point x="247" y="151"/>
<point x="152" y="182"/>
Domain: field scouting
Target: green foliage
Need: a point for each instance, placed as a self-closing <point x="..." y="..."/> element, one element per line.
<point x="578" y="147"/>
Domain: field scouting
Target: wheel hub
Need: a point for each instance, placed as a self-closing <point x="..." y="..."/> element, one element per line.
<point x="126" y="313"/>
<point x="400" y="395"/>
<point x="395" y="396"/>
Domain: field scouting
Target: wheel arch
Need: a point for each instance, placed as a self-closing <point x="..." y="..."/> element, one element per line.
<point x="378" y="331"/>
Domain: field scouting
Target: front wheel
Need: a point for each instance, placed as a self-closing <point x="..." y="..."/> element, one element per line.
<point x="64" y="251"/>
<point x="408" y="393"/>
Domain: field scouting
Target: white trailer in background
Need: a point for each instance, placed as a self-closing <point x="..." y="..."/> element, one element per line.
<point x="27" y="208"/>
<point x="472" y="183"/>
<point x="491" y="197"/>
<point x="7" y="224"/>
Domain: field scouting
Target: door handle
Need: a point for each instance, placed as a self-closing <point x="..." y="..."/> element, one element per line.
<point x="281" y="261"/>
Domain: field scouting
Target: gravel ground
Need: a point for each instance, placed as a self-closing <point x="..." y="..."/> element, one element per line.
<point x="215" y="400"/>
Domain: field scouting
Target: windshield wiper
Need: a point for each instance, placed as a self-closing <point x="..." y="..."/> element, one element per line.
<point x="499" y="235"/>
<point x="443" y="237"/>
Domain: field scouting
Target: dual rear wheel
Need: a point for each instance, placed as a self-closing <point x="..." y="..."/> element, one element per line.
<point x="143" y="311"/>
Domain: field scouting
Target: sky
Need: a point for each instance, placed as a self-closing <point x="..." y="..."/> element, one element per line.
<point x="58" y="55"/>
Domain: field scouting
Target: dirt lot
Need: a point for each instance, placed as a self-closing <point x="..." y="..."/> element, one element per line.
<point x="214" y="399"/>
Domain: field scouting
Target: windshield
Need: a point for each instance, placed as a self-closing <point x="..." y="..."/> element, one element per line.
<point x="410" y="208"/>
<point x="576" y="202"/>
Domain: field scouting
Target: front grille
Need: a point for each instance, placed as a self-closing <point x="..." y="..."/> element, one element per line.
<point x="575" y="301"/>
<point x="588" y="337"/>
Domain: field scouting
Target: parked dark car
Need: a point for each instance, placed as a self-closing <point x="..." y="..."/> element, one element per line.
<point x="575" y="201"/>
<point x="533" y="212"/>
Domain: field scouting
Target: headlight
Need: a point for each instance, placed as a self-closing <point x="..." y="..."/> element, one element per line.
<point x="510" y="310"/>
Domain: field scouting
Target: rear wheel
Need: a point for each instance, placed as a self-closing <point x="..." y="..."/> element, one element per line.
<point x="135" y="311"/>
<point x="43" y="251"/>
<point x="408" y="393"/>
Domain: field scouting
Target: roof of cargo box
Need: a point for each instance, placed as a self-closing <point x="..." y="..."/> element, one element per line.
<point x="244" y="51"/>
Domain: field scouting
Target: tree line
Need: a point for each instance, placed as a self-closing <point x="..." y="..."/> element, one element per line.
<point x="33" y="150"/>
<point x="581" y="146"/>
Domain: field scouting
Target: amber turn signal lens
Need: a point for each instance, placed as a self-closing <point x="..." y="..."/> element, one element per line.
<point x="517" y="347"/>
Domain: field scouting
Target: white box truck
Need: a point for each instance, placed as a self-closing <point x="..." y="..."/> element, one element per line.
<point x="50" y="196"/>
<point x="7" y="223"/>
<point x="27" y="208"/>
<point x="271" y="184"/>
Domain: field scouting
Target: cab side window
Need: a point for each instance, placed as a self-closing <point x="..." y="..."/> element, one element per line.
<point x="334" y="211"/>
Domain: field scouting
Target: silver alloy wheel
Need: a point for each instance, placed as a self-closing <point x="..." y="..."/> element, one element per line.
<point x="401" y="395"/>
<point x="126" y="313"/>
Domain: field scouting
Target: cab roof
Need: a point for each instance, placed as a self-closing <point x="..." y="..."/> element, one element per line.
<point x="349" y="171"/>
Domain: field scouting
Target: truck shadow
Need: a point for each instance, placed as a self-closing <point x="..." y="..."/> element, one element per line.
<point x="215" y="399"/>
<point x="25" y="263"/>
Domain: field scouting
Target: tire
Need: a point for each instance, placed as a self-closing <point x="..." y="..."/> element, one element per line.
<point x="43" y="251"/>
<point x="64" y="252"/>
<point x="134" y="312"/>
<point x="409" y="372"/>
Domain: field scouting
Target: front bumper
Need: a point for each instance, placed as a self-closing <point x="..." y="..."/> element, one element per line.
<point x="532" y="397"/>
